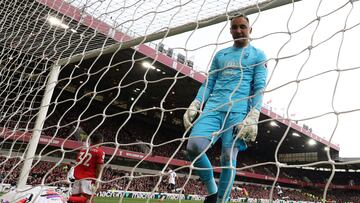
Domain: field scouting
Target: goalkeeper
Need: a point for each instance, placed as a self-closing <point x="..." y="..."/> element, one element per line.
<point x="232" y="96"/>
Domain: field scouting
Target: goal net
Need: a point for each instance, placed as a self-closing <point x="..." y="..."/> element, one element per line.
<point x="129" y="70"/>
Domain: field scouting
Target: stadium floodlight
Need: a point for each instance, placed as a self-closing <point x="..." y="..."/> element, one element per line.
<point x="274" y="124"/>
<point x="295" y="134"/>
<point x="56" y="22"/>
<point x="147" y="64"/>
<point x="311" y="142"/>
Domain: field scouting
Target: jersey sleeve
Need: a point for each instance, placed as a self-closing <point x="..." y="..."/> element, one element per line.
<point x="100" y="157"/>
<point x="207" y="87"/>
<point x="260" y="76"/>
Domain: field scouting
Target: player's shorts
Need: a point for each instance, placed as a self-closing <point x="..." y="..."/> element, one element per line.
<point x="83" y="187"/>
<point x="211" y="122"/>
<point x="171" y="186"/>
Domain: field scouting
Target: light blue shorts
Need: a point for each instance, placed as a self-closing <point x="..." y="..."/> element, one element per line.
<point x="211" y="122"/>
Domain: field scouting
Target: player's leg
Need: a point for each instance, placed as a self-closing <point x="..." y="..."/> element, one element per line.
<point x="77" y="199"/>
<point x="172" y="188"/>
<point x="200" y="139"/>
<point x="227" y="175"/>
<point x="195" y="147"/>
<point x="228" y="156"/>
<point x="75" y="190"/>
<point x="76" y="196"/>
<point x="84" y="191"/>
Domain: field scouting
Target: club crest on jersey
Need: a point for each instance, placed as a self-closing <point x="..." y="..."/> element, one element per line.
<point x="232" y="64"/>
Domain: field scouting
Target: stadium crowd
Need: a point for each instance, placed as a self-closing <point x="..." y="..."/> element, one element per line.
<point x="131" y="135"/>
<point x="129" y="138"/>
<point x="115" y="179"/>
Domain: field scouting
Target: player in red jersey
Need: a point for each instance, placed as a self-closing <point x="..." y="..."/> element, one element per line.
<point x="89" y="167"/>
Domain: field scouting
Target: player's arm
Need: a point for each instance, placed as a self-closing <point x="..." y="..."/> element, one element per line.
<point x="207" y="87"/>
<point x="99" y="168"/>
<point x="260" y="76"/>
<point x="203" y="94"/>
<point x="100" y="164"/>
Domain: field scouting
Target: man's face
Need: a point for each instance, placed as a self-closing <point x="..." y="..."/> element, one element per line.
<point x="240" y="31"/>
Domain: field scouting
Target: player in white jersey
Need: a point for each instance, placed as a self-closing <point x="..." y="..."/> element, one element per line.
<point x="171" y="180"/>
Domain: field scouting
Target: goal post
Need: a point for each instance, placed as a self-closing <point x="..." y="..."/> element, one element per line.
<point x="39" y="123"/>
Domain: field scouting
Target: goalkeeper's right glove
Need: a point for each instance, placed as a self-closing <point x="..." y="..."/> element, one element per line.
<point x="191" y="113"/>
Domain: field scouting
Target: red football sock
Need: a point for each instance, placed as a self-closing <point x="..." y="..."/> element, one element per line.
<point x="77" y="199"/>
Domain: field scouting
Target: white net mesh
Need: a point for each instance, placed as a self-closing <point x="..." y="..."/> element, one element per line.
<point x="120" y="75"/>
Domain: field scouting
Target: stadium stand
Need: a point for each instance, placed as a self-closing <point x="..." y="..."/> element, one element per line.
<point x="257" y="187"/>
<point x="118" y="181"/>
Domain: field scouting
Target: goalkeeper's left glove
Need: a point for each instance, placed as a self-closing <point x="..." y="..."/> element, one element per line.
<point x="247" y="129"/>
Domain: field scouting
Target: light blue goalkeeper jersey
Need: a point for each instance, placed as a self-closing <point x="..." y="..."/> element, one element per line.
<point x="235" y="75"/>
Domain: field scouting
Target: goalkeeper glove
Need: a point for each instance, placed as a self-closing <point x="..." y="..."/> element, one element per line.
<point x="247" y="130"/>
<point x="191" y="113"/>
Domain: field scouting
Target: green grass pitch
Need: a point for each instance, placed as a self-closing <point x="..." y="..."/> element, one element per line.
<point x="116" y="200"/>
